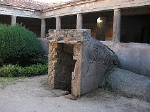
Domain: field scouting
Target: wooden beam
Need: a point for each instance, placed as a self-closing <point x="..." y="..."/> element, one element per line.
<point x="96" y="6"/>
<point x="9" y="10"/>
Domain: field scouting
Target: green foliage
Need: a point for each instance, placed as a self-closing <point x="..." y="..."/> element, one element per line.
<point x="18" y="45"/>
<point x="9" y="70"/>
<point x="16" y="70"/>
<point x="33" y="70"/>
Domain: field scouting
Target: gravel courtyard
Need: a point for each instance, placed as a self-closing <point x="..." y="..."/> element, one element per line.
<point x="34" y="95"/>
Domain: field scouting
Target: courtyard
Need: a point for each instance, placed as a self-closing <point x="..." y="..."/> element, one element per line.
<point x="34" y="95"/>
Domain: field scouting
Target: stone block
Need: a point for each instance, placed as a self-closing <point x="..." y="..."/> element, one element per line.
<point x="129" y="83"/>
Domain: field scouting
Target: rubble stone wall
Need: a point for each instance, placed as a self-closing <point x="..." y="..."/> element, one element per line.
<point x="64" y="67"/>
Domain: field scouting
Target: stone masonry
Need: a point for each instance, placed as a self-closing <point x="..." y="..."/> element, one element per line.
<point x="78" y="63"/>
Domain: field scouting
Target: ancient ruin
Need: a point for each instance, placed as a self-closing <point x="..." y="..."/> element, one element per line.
<point x="78" y="63"/>
<point x="123" y="25"/>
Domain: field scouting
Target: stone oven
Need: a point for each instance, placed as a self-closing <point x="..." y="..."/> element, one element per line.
<point x="78" y="63"/>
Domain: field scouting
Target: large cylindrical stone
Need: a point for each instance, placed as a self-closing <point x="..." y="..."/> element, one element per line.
<point x="129" y="83"/>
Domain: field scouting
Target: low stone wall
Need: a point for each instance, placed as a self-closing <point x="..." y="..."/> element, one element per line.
<point x="134" y="57"/>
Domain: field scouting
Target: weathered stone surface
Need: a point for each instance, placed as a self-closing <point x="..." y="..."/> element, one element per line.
<point x="129" y="83"/>
<point x="68" y="36"/>
<point x="97" y="61"/>
<point x="64" y="67"/>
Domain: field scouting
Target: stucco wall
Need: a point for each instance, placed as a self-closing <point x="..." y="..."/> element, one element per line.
<point x="134" y="57"/>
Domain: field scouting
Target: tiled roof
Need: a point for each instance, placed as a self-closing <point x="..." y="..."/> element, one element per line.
<point x="69" y="3"/>
<point x="27" y="4"/>
<point x="34" y="5"/>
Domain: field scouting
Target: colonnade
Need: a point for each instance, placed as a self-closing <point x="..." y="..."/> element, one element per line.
<point x="79" y="24"/>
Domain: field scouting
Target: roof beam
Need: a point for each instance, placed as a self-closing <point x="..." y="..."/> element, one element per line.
<point x="10" y="10"/>
<point x="95" y="6"/>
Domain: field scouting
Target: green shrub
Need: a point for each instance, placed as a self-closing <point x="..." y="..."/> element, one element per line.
<point x="9" y="70"/>
<point x="18" y="45"/>
<point x="16" y="70"/>
<point x="33" y="70"/>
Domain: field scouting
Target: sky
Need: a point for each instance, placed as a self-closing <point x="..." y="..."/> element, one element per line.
<point x="52" y="0"/>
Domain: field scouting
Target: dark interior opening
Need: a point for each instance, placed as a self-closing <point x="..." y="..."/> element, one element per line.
<point x="68" y="22"/>
<point x="4" y="19"/>
<point x="50" y="24"/>
<point x="135" y="28"/>
<point x="64" y="67"/>
<point x="100" y="23"/>
<point x="135" y="25"/>
<point x="32" y="24"/>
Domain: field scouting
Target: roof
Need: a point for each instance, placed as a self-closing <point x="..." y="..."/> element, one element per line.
<point x="35" y="5"/>
<point x="26" y="4"/>
<point x="68" y="4"/>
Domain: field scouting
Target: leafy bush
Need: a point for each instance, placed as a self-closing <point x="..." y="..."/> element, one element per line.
<point x="18" y="45"/>
<point x="16" y="70"/>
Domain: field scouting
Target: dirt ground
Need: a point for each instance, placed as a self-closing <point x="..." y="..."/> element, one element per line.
<point x="34" y="95"/>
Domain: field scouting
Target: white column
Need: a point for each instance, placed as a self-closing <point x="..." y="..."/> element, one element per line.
<point x="116" y="25"/>
<point x="43" y="28"/>
<point x="13" y="20"/>
<point x="79" y="21"/>
<point x="58" y="23"/>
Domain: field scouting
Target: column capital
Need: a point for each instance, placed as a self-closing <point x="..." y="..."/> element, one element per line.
<point x="79" y="14"/>
<point x="13" y="16"/>
<point x="117" y="9"/>
<point x="42" y="18"/>
<point x="58" y="17"/>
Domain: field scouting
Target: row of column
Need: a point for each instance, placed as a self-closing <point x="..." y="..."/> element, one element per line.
<point x="58" y="24"/>
<point x="79" y="24"/>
